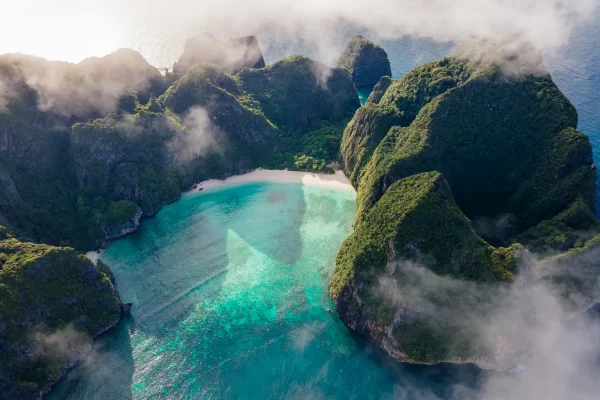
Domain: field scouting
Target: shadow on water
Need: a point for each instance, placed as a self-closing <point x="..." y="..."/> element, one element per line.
<point x="173" y="262"/>
<point x="107" y="372"/>
<point x="230" y="301"/>
<point x="418" y="382"/>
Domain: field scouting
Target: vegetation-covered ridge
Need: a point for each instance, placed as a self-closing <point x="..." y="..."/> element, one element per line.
<point x="71" y="180"/>
<point x="516" y="174"/>
<point x="86" y="150"/>
<point x="53" y="302"/>
<point x="231" y="55"/>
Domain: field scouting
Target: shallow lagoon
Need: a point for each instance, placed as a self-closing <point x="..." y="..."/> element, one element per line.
<point x="230" y="302"/>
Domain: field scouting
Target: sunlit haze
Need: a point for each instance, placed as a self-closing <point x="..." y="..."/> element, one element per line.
<point x="71" y="30"/>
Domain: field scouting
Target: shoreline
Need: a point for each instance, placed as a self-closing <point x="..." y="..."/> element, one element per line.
<point x="338" y="179"/>
<point x="93" y="255"/>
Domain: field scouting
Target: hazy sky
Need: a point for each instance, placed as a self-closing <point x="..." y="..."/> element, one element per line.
<point x="71" y="30"/>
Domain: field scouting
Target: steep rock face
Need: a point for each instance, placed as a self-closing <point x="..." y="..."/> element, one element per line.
<point x="375" y="259"/>
<point x="125" y="218"/>
<point x="73" y="175"/>
<point x="367" y="128"/>
<point x="211" y="88"/>
<point x="507" y="147"/>
<point x="232" y="55"/>
<point x="298" y="91"/>
<point x="379" y="90"/>
<point x="42" y="100"/>
<point x="366" y="61"/>
<point x="53" y="302"/>
<point x="126" y="158"/>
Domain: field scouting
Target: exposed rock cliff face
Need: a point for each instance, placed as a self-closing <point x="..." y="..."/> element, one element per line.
<point x="231" y="55"/>
<point x="366" y="61"/>
<point x="505" y="146"/>
<point x="125" y="224"/>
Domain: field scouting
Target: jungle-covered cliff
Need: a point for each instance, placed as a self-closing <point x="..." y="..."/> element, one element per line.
<point x="71" y="177"/>
<point x="462" y="170"/>
<point x="53" y="302"/>
<point x="366" y="61"/>
<point x="88" y="149"/>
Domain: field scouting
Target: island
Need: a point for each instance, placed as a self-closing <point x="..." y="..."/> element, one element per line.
<point x="87" y="150"/>
<point x="463" y="169"/>
<point x="366" y="61"/>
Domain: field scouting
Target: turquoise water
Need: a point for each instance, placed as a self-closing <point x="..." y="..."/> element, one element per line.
<point x="230" y="302"/>
<point x="363" y="93"/>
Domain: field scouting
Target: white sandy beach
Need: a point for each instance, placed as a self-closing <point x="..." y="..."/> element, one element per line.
<point x="338" y="179"/>
<point x="93" y="255"/>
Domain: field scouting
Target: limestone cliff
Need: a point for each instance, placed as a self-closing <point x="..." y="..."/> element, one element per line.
<point x="231" y="55"/>
<point x="366" y="61"/>
<point x="53" y="302"/>
<point x="507" y="148"/>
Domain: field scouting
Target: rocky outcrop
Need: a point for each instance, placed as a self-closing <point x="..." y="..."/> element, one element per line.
<point x="326" y="94"/>
<point x="209" y="87"/>
<point x="505" y="146"/>
<point x="379" y="90"/>
<point x="128" y="224"/>
<point x="54" y="302"/>
<point x="356" y="315"/>
<point x="231" y="55"/>
<point x="8" y="188"/>
<point x="366" y="61"/>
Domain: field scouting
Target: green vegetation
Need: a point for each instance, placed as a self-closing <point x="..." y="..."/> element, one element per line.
<point x="398" y="227"/>
<point x="81" y="169"/>
<point x="53" y="301"/>
<point x="506" y="146"/>
<point x="569" y="229"/>
<point x="574" y="274"/>
<point x="379" y="90"/>
<point x="363" y="134"/>
<point x="366" y="61"/>
<point x="484" y="136"/>
<point x="299" y="92"/>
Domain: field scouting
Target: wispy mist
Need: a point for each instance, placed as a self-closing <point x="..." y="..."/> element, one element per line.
<point x="159" y="29"/>
<point x="81" y="90"/>
<point x="197" y="139"/>
<point x="527" y="326"/>
<point x="65" y="343"/>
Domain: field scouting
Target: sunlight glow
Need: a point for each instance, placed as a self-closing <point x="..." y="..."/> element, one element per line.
<point x="63" y="30"/>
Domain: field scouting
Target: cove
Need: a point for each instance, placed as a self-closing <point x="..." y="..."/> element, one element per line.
<point x="364" y="92"/>
<point x="230" y="297"/>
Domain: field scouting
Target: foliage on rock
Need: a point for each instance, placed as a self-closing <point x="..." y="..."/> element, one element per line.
<point x="366" y="61"/>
